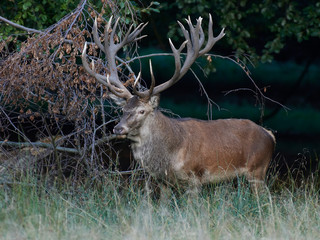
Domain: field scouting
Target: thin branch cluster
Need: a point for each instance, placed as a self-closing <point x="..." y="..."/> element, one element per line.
<point x="43" y="86"/>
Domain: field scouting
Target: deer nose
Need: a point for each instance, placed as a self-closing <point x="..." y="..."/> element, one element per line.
<point x="119" y="130"/>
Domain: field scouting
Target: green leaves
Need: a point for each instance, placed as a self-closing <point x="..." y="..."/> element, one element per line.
<point x="153" y="7"/>
<point x="36" y="14"/>
<point x="259" y="28"/>
<point x="26" y="5"/>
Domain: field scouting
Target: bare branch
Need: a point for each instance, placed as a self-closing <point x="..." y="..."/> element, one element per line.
<point x="247" y="72"/>
<point x="60" y="149"/>
<point x="38" y="144"/>
<point x="16" y="25"/>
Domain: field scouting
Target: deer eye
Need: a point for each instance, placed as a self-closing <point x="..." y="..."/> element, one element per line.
<point x="141" y="112"/>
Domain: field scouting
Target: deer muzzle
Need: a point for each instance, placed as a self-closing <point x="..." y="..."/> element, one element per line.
<point x="119" y="129"/>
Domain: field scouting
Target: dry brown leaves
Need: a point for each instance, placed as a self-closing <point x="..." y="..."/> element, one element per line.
<point x="47" y="68"/>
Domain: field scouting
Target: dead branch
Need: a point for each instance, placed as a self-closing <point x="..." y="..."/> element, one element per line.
<point x="60" y="149"/>
<point x="38" y="144"/>
<point x="16" y="25"/>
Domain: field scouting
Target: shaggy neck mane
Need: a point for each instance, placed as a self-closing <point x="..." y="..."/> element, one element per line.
<point x="160" y="138"/>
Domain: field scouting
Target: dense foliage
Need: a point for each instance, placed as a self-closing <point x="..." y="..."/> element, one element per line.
<point x="259" y="29"/>
<point x="37" y="14"/>
<point x="40" y="14"/>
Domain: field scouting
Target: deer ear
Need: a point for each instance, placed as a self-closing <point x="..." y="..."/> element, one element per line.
<point x="117" y="100"/>
<point x="154" y="100"/>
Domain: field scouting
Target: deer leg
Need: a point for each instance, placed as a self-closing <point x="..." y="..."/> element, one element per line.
<point x="257" y="186"/>
<point x="148" y="187"/>
<point x="165" y="193"/>
<point x="193" y="190"/>
<point x="256" y="179"/>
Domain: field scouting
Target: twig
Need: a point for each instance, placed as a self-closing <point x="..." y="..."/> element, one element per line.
<point x="38" y="144"/>
<point x="12" y="124"/>
<point x="237" y="90"/>
<point x="126" y="172"/>
<point x="252" y="81"/>
<point x="109" y="138"/>
<point x="209" y="109"/>
<point x="61" y="149"/>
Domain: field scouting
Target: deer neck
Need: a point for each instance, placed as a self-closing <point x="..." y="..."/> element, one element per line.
<point x="158" y="138"/>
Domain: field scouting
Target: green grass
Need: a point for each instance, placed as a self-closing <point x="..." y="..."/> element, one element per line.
<point x="34" y="209"/>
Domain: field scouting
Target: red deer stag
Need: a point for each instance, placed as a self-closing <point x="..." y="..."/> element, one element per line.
<point x="190" y="150"/>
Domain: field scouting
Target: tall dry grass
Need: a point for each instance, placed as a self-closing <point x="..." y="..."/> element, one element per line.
<point x="35" y="208"/>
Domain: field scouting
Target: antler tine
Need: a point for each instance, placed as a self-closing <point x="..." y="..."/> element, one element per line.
<point x="194" y="33"/>
<point x="146" y="94"/>
<point x="153" y="81"/>
<point x="129" y="37"/>
<point x="193" y="52"/>
<point x="186" y="36"/>
<point x="137" y="31"/>
<point x="115" y="90"/>
<point x="201" y="33"/>
<point x="114" y="30"/>
<point x="176" y="55"/>
<point x="211" y="39"/>
<point x="137" y="79"/>
<point x="85" y="62"/>
<point x="96" y="35"/>
<point x="125" y="39"/>
<point x="134" y="87"/>
<point x="110" y="48"/>
<point x="107" y="28"/>
<point x="132" y="36"/>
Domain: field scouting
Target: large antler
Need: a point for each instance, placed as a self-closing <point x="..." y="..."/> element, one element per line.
<point x="110" y="48"/>
<point x="194" y="42"/>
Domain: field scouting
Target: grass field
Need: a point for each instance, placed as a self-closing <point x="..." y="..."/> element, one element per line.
<point x="31" y="208"/>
